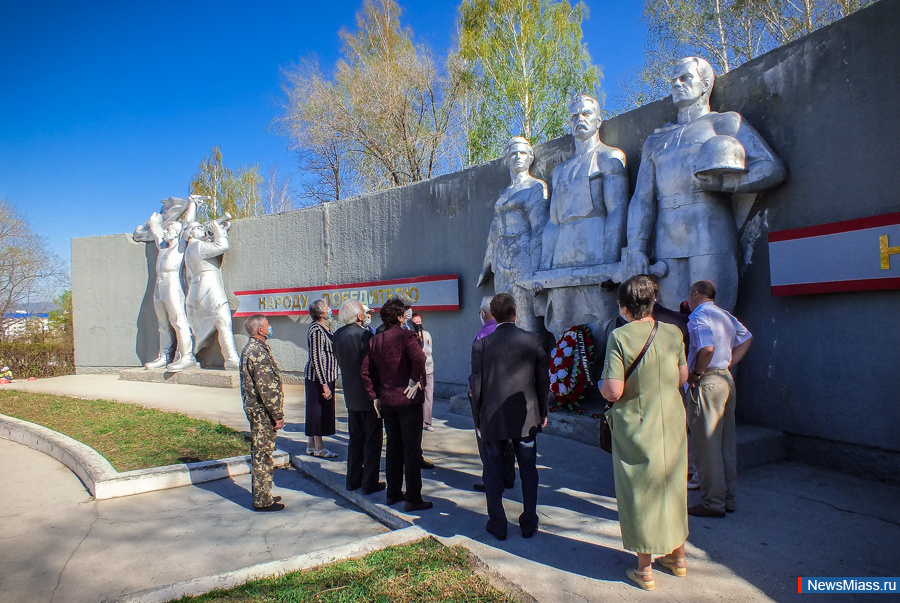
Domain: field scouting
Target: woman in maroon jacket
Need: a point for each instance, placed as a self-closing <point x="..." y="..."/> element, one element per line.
<point x="392" y="373"/>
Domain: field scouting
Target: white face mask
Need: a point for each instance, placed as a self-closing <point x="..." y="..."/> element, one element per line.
<point x="408" y="313"/>
<point x="482" y="318"/>
<point x="367" y="321"/>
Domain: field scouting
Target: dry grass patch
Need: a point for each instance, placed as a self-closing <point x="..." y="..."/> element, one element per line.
<point x="424" y="571"/>
<point x="128" y="435"/>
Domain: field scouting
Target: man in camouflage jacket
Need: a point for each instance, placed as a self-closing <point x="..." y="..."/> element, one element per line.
<point x="263" y="398"/>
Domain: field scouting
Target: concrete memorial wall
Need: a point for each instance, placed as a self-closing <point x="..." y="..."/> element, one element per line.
<point x="825" y="363"/>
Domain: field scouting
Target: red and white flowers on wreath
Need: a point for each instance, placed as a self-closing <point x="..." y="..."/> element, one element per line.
<point x="569" y="365"/>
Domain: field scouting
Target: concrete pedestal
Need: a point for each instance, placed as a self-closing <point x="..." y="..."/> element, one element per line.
<point x="197" y="376"/>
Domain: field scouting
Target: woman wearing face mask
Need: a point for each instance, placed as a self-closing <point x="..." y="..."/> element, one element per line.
<point x="644" y="367"/>
<point x="365" y="427"/>
<point x="321" y="373"/>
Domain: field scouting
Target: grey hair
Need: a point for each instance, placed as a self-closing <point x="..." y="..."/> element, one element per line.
<point x="486" y="303"/>
<point x="704" y="69"/>
<point x="317" y="309"/>
<point x="348" y="312"/>
<point x="253" y="323"/>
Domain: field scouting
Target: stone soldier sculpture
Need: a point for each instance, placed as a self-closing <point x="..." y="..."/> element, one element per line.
<point x="682" y="201"/>
<point x="206" y="304"/>
<point x="514" y="241"/>
<point x="263" y="398"/>
<point x="588" y="211"/>
<point x="168" y="297"/>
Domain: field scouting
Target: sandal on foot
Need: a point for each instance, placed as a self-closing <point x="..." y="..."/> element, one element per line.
<point x="325" y="454"/>
<point x="671" y="564"/>
<point x="640" y="578"/>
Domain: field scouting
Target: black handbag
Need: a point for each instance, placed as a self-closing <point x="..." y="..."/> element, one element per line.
<point x="605" y="432"/>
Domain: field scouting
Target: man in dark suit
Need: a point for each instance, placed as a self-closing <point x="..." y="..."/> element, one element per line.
<point x="510" y="390"/>
<point x="351" y="344"/>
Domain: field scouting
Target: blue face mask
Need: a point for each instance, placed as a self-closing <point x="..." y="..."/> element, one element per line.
<point x="271" y="331"/>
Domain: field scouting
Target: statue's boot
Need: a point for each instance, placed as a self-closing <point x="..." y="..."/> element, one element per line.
<point x="160" y="362"/>
<point x="232" y="360"/>
<point x="185" y="362"/>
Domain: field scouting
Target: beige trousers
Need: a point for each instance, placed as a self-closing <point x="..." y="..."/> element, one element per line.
<point x="711" y="415"/>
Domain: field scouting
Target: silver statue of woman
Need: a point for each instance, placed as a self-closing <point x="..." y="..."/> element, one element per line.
<point x="514" y="242"/>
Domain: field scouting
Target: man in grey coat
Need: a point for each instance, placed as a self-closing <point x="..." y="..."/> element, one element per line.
<point x="510" y="390"/>
<point x="351" y="344"/>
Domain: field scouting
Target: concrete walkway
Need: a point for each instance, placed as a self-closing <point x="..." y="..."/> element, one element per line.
<point x="792" y="520"/>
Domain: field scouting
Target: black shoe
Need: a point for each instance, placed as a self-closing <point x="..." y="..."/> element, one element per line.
<point x="276" y="499"/>
<point x="351" y="489"/>
<point x="422" y="506"/>
<point x="381" y="486"/>
<point x="478" y="487"/>
<point x="391" y="501"/>
<point x="496" y="535"/>
<point x="425" y="464"/>
<point x="510" y="486"/>
<point x="273" y="507"/>
<point x="701" y="511"/>
<point x="529" y="533"/>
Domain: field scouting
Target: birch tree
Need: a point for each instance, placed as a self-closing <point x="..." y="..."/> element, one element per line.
<point x="526" y="59"/>
<point x="234" y="191"/>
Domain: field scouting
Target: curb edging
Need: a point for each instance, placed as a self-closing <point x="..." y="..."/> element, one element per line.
<point x="103" y="481"/>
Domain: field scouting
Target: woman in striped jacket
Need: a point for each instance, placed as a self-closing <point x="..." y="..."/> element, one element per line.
<point x="321" y="373"/>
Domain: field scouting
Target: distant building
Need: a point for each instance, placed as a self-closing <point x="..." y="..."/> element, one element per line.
<point x="16" y="325"/>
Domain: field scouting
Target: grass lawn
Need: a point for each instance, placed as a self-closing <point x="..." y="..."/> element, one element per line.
<point x="424" y="571"/>
<point x="128" y="435"/>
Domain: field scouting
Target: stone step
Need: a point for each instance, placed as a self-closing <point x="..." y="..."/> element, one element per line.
<point x="195" y="376"/>
<point x="756" y="445"/>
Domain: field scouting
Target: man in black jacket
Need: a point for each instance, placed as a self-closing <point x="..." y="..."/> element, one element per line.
<point x="351" y="344"/>
<point x="510" y="390"/>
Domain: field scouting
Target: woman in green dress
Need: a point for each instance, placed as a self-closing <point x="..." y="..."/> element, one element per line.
<point x="649" y="444"/>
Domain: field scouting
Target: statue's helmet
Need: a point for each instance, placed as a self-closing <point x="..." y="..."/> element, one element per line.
<point x="721" y="155"/>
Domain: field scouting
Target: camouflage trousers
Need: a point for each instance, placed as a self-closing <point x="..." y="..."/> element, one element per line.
<point x="262" y="445"/>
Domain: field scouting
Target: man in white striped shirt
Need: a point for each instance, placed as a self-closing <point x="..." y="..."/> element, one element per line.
<point x="718" y="342"/>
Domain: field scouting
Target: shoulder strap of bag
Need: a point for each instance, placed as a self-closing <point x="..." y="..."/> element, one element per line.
<point x="644" y="351"/>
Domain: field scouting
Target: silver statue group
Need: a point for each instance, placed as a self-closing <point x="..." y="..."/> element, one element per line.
<point x="189" y="296"/>
<point x="553" y="252"/>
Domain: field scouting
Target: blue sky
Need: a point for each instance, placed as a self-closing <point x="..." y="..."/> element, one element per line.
<point x="109" y="106"/>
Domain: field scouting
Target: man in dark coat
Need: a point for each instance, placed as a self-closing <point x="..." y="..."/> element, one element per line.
<point x="351" y="344"/>
<point x="510" y="390"/>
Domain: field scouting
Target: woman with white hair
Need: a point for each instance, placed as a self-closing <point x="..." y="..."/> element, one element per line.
<point x="351" y="344"/>
<point x="321" y="373"/>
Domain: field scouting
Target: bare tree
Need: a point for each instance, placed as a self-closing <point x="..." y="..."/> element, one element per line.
<point x="28" y="270"/>
<point x="278" y="194"/>
<point x="382" y="118"/>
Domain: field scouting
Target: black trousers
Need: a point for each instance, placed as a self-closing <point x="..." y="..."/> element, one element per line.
<point x="526" y="455"/>
<point x="364" y="449"/>
<point x="509" y="462"/>
<point x="403" y="453"/>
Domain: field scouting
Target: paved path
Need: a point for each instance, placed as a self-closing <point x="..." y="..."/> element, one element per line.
<point x="792" y="520"/>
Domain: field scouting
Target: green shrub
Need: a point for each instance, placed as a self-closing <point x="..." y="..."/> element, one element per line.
<point x="37" y="359"/>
